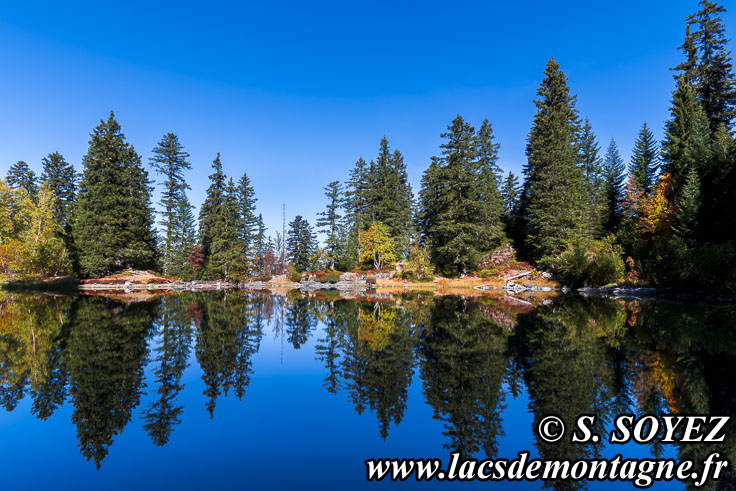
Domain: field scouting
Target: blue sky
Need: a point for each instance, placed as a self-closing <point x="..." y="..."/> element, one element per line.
<point x="294" y="93"/>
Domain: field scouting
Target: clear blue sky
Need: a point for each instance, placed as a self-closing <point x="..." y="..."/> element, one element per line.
<point x="294" y="93"/>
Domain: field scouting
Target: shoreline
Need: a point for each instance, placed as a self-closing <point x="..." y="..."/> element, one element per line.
<point x="71" y="286"/>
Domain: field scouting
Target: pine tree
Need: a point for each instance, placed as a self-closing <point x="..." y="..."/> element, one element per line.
<point x="62" y="181"/>
<point x="511" y="196"/>
<point x="21" y="176"/>
<point x="708" y="65"/>
<point x="329" y="220"/>
<point x="170" y="160"/>
<point x="247" y="221"/>
<point x="113" y="217"/>
<point x="184" y="236"/>
<point x="644" y="160"/>
<point x="460" y="209"/>
<point x="553" y="200"/>
<point x="590" y="164"/>
<point x="688" y="208"/>
<point x="301" y="243"/>
<point x="211" y="211"/>
<point x="261" y="244"/>
<point x="614" y="176"/>
<point x="356" y="195"/>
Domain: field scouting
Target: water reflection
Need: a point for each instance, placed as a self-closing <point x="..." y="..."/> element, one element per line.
<point x="472" y="356"/>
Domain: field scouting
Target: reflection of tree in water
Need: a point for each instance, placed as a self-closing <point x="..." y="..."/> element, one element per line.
<point x="33" y="330"/>
<point x="573" y="356"/>
<point x="463" y="365"/>
<point x="377" y="361"/>
<point x="687" y="361"/>
<point x="173" y="337"/>
<point x="106" y="353"/>
<point x="568" y="371"/>
<point x="227" y="340"/>
<point x="327" y="348"/>
<point x="300" y="320"/>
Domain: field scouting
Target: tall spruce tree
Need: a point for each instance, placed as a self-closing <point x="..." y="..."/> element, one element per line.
<point x="21" y="176"/>
<point x="553" y="199"/>
<point x="389" y="195"/>
<point x="330" y="219"/>
<point x="113" y="217"/>
<point x="184" y="236"/>
<point x="211" y="210"/>
<point x="460" y="209"/>
<point x="261" y="244"/>
<point x="62" y="181"/>
<point x="708" y="66"/>
<point x="688" y="208"/>
<point x="613" y="169"/>
<point x="170" y="160"/>
<point x="591" y="165"/>
<point x="645" y="160"/>
<point x="511" y="196"/>
<point x="301" y="243"/>
<point x="247" y="221"/>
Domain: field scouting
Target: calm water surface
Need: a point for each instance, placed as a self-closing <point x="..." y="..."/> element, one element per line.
<point x="239" y="390"/>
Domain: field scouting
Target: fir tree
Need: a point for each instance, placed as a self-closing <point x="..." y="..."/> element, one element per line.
<point x="261" y="244"/>
<point x="688" y="208"/>
<point x="170" y="160"/>
<point x="511" y="196"/>
<point x="460" y="210"/>
<point x="301" y="243"/>
<point x="62" y="181"/>
<point x="21" y="176"/>
<point x="592" y="168"/>
<point x="211" y="210"/>
<point x="113" y="217"/>
<point x="644" y="160"/>
<point x="708" y="65"/>
<point x="247" y="221"/>
<point x="613" y="169"/>
<point x="184" y="235"/>
<point x="329" y="220"/>
<point x="553" y="199"/>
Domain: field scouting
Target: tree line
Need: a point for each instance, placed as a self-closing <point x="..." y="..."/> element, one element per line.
<point x="576" y="210"/>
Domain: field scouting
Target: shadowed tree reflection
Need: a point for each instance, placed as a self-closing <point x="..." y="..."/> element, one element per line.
<point x="107" y="351"/>
<point x="173" y="338"/>
<point x="33" y="331"/>
<point x="301" y="320"/>
<point x="227" y="340"/>
<point x="377" y="362"/>
<point x="463" y="365"/>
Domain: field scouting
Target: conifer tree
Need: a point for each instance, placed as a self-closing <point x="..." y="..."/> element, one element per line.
<point x="261" y="244"/>
<point x="644" y="160"/>
<point x="460" y="210"/>
<point x="553" y="200"/>
<point x="511" y="196"/>
<point x="301" y="243"/>
<point x="330" y="219"/>
<point x="613" y="169"/>
<point x="356" y="195"/>
<point x="247" y="221"/>
<point x="113" y="218"/>
<point x="592" y="168"/>
<point x="62" y="181"/>
<point x="184" y="235"/>
<point x="21" y="176"/>
<point x="211" y="210"/>
<point x="708" y="66"/>
<point x="688" y="208"/>
<point x="170" y="160"/>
